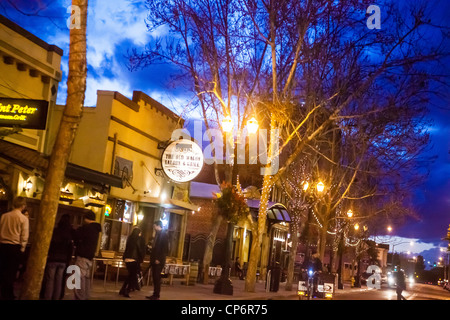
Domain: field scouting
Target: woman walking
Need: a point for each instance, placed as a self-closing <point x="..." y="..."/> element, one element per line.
<point x="133" y="257"/>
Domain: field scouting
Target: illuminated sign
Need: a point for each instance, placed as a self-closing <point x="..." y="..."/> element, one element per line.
<point x="25" y="113"/>
<point x="182" y="160"/>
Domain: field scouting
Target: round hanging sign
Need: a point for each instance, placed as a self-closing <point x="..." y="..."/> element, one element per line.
<point x="182" y="160"/>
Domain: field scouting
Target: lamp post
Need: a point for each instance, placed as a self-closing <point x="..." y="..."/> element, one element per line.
<point x="309" y="195"/>
<point x="343" y="229"/>
<point x="224" y="285"/>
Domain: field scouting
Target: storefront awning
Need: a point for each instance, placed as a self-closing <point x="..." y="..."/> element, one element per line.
<point x="31" y="160"/>
<point x="276" y="211"/>
<point x="169" y="203"/>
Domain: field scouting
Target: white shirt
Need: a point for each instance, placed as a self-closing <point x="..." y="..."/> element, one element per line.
<point x="14" y="228"/>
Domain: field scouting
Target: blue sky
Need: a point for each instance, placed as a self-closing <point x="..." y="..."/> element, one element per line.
<point x="117" y="26"/>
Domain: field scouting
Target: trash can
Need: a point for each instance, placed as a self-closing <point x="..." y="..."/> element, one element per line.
<point x="275" y="277"/>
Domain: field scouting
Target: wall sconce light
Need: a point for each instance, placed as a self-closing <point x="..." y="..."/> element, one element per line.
<point x="27" y="185"/>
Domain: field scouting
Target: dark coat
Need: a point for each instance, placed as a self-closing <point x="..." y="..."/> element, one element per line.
<point x="86" y="239"/>
<point x="160" y="248"/>
<point x="61" y="245"/>
<point x="135" y="249"/>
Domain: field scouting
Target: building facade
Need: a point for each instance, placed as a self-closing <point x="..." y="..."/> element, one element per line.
<point x="124" y="138"/>
<point x="30" y="70"/>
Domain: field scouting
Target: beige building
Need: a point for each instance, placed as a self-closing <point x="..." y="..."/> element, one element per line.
<point x="125" y="137"/>
<point x="30" y="69"/>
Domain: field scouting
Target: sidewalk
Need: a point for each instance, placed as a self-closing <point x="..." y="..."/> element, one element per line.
<point x="179" y="291"/>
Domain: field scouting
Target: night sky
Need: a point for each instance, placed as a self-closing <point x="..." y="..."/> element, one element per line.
<point x="117" y="26"/>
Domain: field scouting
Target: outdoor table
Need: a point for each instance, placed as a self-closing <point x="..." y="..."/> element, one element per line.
<point x="114" y="262"/>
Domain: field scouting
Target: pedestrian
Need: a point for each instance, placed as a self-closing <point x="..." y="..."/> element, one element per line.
<point x="158" y="255"/>
<point x="133" y="256"/>
<point x="401" y="285"/>
<point x="85" y="240"/>
<point x="238" y="270"/>
<point x="59" y="257"/>
<point x="14" y="232"/>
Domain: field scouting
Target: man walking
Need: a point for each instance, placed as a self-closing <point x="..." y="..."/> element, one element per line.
<point x="14" y="232"/>
<point x="86" y="239"/>
<point x="158" y="255"/>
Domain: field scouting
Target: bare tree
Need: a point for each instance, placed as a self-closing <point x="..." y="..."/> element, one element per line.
<point x="286" y="61"/>
<point x="45" y="221"/>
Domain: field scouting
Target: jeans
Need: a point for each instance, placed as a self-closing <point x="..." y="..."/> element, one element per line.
<point x="9" y="264"/>
<point x="54" y="276"/>
<point x="85" y="265"/>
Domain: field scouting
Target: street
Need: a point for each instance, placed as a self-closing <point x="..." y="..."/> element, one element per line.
<point x="414" y="292"/>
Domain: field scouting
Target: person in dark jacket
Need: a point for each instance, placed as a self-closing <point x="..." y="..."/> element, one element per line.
<point x="160" y="250"/>
<point x="133" y="257"/>
<point x="86" y="239"/>
<point x="401" y="285"/>
<point x="59" y="256"/>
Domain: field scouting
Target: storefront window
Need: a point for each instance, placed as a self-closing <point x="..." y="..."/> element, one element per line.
<point x="172" y="223"/>
<point x="118" y="225"/>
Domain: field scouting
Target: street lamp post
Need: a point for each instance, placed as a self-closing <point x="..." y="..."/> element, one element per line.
<point x="224" y="285"/>
<point x="309" y="198"/>
<point x="341" y="245"/>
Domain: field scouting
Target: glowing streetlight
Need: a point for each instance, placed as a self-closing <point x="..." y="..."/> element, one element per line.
<point x="349" y="213"/>
<point x="305" y="185"/>
<point x="252" y="125"/>
<point x="389" y="228"/>
<point x="320" y="186"/>
<point x="356" y="226"/>
<point x="227" y="124"/>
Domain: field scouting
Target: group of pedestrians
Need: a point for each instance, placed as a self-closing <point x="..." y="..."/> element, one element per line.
<point x="67" y="242"/>
<point x="134" y="255"/>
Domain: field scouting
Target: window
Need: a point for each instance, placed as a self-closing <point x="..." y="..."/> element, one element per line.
<point x="118" y="225"/>
<point x="174" y="231"/>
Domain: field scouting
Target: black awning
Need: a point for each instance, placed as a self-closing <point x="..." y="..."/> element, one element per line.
<point x="76" y="172"/>
<point x="31" y="159"/>
<point x="276" y="211"/>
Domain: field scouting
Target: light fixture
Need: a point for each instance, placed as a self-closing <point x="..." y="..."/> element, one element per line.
<point x="305" y="185"/>
<point x="389" y="228"/>
<point x="27" y="185"/>
<point x="320" y="186"/>
<point x="356" y="226"/>
<point x="163" y="196"/>
<point x="108" y="210"/>
<point x="140" y="217"/>
<point x="227" y="124"/>
<point x="252" y="125"/>
<point x="147" y="191"/>
<point x="349" y="213"/>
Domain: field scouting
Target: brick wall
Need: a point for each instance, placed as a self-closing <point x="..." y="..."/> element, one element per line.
<point x="201" y="222"/>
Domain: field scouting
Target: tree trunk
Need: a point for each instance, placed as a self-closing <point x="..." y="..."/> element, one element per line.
<point x="255" y="253"/>
<point x="322" y="241"/>
<point x="209" y="248"/>
<point x="292" y="255"/>
<point x="45" y="221"/>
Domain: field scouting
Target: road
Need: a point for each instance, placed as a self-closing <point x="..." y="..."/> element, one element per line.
<point x="413" y="292"/>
